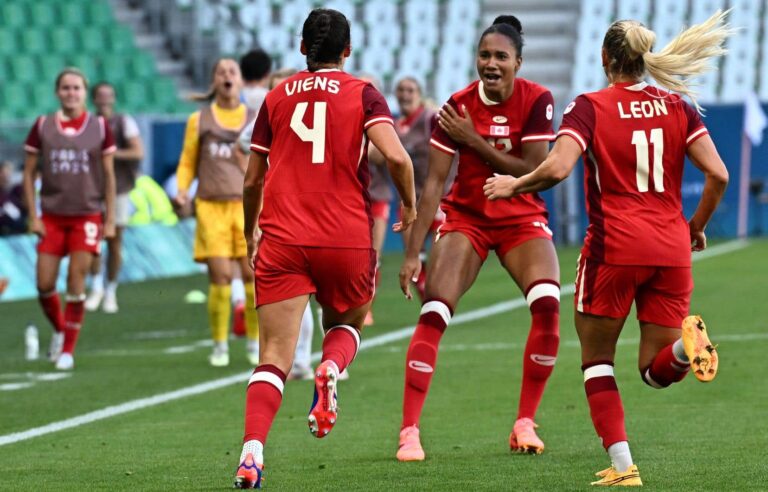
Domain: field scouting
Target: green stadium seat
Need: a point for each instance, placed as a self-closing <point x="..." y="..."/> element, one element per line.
<point x="44" y="98"/>
<point x="34" y="41"/>
<point x="49" y="69"/>
<point x="72" y="13"/>
<point x="14" y="97"/>
<point x="113" y="70"/>
<point x="164" y="93"/>
<point x="8" y="42"/>
<point x="14" y="14"/>
<point x="134" y="96"/>
<point x="92" y="40"/>
<point x="63" y="40"/>
<point x="120" y="39"/>
<point x="143" y="65"/>
<point x="24" y="68"/>
<point x="43" y="14"/>
<point x="100" y="13"/>
<point x="86" y="64"/>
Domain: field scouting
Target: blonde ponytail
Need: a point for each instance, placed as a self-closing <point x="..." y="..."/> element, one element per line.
<point x="689" y="55"/>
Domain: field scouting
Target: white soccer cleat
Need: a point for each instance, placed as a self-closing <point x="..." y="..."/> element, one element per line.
<point x="57" y="344"/>
<point x="219" y="357"/>
<point x="93" y="300"/>
<point x="109" y="305"/>
<point x="65" y="362"/>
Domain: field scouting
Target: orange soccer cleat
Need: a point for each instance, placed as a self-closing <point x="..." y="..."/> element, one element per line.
<point x="523" y="438"/>
<point x="322" y="415"/>
<point x="410" y="445"/>
<point x="699" y="349"/>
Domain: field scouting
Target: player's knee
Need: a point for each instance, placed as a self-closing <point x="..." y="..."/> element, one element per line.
<point x="420" y="365"/>
<point x="645" y="375"/>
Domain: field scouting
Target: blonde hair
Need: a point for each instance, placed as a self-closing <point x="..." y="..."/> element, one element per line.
<point x="628" y="45"/>
<point x="71" y="71"/>
<point x="209" y="96"/>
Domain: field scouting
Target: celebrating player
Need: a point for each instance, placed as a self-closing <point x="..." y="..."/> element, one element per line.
<point x="209" y="155"/>
<point x="127" y="157"/>
<point x="414" y="127"/>
<point x="75" y="149"/>
<point x="509" y="134"/>
<point x="308" y="223"/>
<point x="634" y="138"/>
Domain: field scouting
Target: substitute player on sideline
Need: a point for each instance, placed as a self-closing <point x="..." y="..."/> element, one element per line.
<point x="127" y="157"/>
<point x="209" y="155"/>
<point x="510" y="134"/>
<point x="634" y="138"/>
<point x="75" y="149"/>
<point x="308" y="223"/>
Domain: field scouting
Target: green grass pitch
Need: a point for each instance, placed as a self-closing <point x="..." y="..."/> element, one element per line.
<point x="691" y="436"/>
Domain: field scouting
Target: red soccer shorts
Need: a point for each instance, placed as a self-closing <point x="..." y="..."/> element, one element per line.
<point x="662" y="295"/>
<point x="340" y="278"/>
<point x="500" y="239"/>
<point x="380" y="210"/>
<point x="66" y="234"/>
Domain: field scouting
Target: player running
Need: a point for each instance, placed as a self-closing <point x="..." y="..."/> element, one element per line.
<point x="509" y="134"/>
<point x="634" y="138"/>
<point x="75" y="150"/>
<point x="209" y="155"/>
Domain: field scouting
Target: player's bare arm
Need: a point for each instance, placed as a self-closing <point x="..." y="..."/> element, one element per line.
<point x="461" y="130"/>
<point x="400" y="168"/>
<point x="109" y="195"/>
<point x="30" y="171"/>
<point x="555" y="168"/>
<point x="253" y="196"/>
<point x="439" y="168"/>
<point x="704" y="156"/>
<point x="133" y="151"/>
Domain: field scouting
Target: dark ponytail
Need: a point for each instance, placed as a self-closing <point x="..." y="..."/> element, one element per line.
<point x="511" y="27"/>
<point x="326" y="36"/>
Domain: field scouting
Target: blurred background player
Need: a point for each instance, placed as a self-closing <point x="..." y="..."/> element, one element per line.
<point x="308" y="218"/>
<point x="75" y="150"/>
<point x="380" y="190"/>
<point x="510" y="135"/>
<point x="13" y="212"/>
<point x="638" y="244"/>
<point x="255" y="66"/>
<point x="302" y="359"/>
<point x="209" y="155"/>
<point x="414" y="127"/>
<point x="127" y="158"/>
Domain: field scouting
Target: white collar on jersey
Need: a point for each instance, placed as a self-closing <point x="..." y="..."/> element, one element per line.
<point x="637" y="87"/>
<point x="483" y="97"/>
<point x="323" y="70"/>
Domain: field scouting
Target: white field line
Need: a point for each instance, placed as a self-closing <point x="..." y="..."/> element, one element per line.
<point x="241" y="378"/>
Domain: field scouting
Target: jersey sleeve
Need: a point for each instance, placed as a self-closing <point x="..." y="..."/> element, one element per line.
<point x="108" y="145"/>
<point x="695" y="128"/>
<point x="579" y="122"/>
<point x="261" y="140"/>
<point x="538" y="126"/>
<point x="187" y="169"/>
<point x="32" y="144"/>
<point x="375" y="108"/>
<point x="440" y="139"/>
<point x="130" y="128"/>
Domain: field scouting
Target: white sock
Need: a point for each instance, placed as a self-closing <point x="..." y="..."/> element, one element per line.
<point x="252" y="345"/>
<point x="256" y="448"/>
<point x="679" y="351"/>
<point x="620" y="456"/>
<point x="223" y="346"/>
<point x="97" y="281"/>
<point x="304" y="345"/>
<point x="238" y="291"/>
<point x="111" y="288"/>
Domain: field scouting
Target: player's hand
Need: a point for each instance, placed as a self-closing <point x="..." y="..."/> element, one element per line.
<point x="109" y="230"/>
<point x="498" y="186"/>
<point x="253" y="247"/>
<point x="459" y="128"/>
<point x="409" y="272"/>
<point x="407" y="217"/>
<point x="698" y="239"/>
<point x="36" y="226"/>
<point x="181" y="198"/>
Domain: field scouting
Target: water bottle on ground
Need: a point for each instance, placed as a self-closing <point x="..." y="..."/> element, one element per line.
<point x="32" y="342"/>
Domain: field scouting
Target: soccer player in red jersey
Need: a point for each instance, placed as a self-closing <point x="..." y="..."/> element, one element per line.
<point x="509" y="133"/>
<point x="308" y="223"/>
<point x="75" y="149"/>
<point x="634" y="138"/>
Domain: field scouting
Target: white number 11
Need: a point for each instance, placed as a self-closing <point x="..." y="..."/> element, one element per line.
<point x="640" y="141"/>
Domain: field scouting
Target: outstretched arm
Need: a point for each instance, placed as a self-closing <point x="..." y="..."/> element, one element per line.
<point x="704" y="156"/>
<point x="253" y="200"/>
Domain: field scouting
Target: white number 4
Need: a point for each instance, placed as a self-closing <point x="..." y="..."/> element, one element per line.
<point x="316" y="134"/>
<point x="640" y="141"/>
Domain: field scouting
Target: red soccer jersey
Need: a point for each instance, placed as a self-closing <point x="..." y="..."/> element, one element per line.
<point x="313" y="126"/>
<point x="634" y="139"/>
<point x="525" y="117"/>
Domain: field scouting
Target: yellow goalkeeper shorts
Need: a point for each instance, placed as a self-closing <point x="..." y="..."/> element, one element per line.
<point x="219" y="231"/>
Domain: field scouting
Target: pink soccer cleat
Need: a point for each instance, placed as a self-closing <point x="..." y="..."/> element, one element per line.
<point x="322" y="415"/>
<point x="249" y="474"/>
<point x="410" y="445"/>
<point x="523" y="438"/>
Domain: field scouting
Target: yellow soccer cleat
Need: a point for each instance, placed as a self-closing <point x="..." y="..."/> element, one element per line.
<point x="699" y="349"/>
<point x="610" y="477"/>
